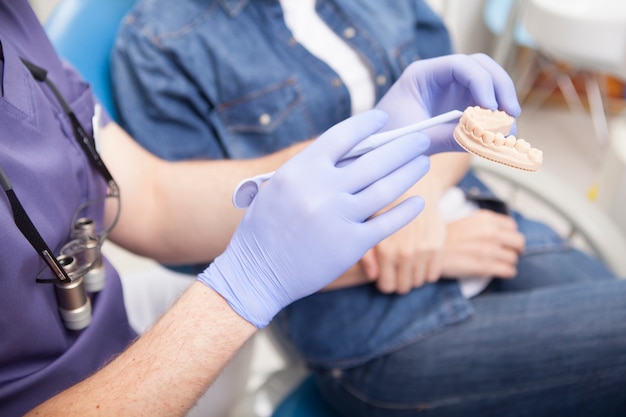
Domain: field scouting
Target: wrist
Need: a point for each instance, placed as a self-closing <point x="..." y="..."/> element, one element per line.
<point x="245" y="292"/>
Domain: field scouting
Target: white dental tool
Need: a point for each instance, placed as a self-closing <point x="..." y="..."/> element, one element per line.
<point x="247" y="189"/>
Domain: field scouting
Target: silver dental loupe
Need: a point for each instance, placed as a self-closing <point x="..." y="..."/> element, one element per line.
<point x="74" y="305"/>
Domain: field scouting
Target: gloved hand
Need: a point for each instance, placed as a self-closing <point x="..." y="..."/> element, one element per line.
<point x="311" y="222"/>
<point x="434" y="86"/>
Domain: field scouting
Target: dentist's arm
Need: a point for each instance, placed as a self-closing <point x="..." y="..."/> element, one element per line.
<point x="166" y="370"/>
<point x="176" y="212"/>
<point x="305" y="227"/>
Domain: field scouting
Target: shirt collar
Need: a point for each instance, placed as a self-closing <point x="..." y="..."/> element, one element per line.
<point x="234" y="7"/>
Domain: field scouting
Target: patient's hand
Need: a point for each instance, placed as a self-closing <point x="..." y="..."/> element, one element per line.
<point x="483" y="244"/>
<point x="411" y="257"/>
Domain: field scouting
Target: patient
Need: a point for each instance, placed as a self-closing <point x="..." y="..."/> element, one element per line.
<point x="468" y="310"/>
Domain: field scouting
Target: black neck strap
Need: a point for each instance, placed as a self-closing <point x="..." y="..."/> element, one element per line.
<point x="87" y="143"/>
<point x="28" y="229"/>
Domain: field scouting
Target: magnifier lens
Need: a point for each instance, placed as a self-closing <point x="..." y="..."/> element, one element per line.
<point x="74" y="305"/>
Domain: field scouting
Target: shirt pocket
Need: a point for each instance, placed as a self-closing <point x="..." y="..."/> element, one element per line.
<point x="264" y="121"/>
<point x="82" y="104"/>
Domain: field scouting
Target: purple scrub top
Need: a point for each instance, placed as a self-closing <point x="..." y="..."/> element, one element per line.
<point x="52" y="177"/>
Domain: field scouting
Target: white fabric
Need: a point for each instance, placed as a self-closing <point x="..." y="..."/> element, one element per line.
<point x="454" y="206"/>
<point x="311" y="31"/>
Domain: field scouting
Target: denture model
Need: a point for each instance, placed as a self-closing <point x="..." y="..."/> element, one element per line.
<point x="482" y="132"/>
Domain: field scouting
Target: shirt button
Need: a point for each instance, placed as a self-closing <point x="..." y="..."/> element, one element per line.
<point x="381" y="80"/>
<point x="336" y="82"/>
<point x="349" y="32"/>
<point x="265" y="119"/>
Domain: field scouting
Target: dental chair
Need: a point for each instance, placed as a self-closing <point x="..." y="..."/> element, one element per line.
<point x="553" y="33"/>
<point x="83" y="31"/>
<point x="590" y="36"/>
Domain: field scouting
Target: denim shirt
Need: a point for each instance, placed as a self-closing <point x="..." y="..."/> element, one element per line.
<point x="226" y="79"/>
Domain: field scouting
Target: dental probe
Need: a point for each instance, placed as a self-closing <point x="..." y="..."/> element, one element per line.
<point x="247" y="189"/>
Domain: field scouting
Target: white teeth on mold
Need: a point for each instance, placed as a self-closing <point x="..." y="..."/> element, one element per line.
<point x="499" y="139"/>
<point x="477" y="131"/>
<point x="483" y="132"/>
<point x="488" y="137"/>
<point x="522" y="146"/>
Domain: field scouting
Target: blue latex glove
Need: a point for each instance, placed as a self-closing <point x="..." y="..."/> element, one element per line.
<point x="311" y="222"/>
<point x="434" y="86"/>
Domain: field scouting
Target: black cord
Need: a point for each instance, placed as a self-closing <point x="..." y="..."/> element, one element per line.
<point x="28" y="229"/>
<point x="87" y="143"/>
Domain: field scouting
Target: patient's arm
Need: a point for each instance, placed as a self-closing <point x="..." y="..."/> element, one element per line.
<point x="418" y="246"/>
<point x="171" y="220"/>
<point x="413" y="255"/>
<point x="482" y="244"/>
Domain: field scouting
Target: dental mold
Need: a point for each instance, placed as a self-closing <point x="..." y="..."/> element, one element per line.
<point x="483" y="132"/>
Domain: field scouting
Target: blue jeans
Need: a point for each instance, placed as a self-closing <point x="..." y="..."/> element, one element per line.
<point x="546" y="344"/>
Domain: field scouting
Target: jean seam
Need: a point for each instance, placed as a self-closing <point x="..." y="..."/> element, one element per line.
<point x="356" y="361"/>
<point x="423" y="406"/>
